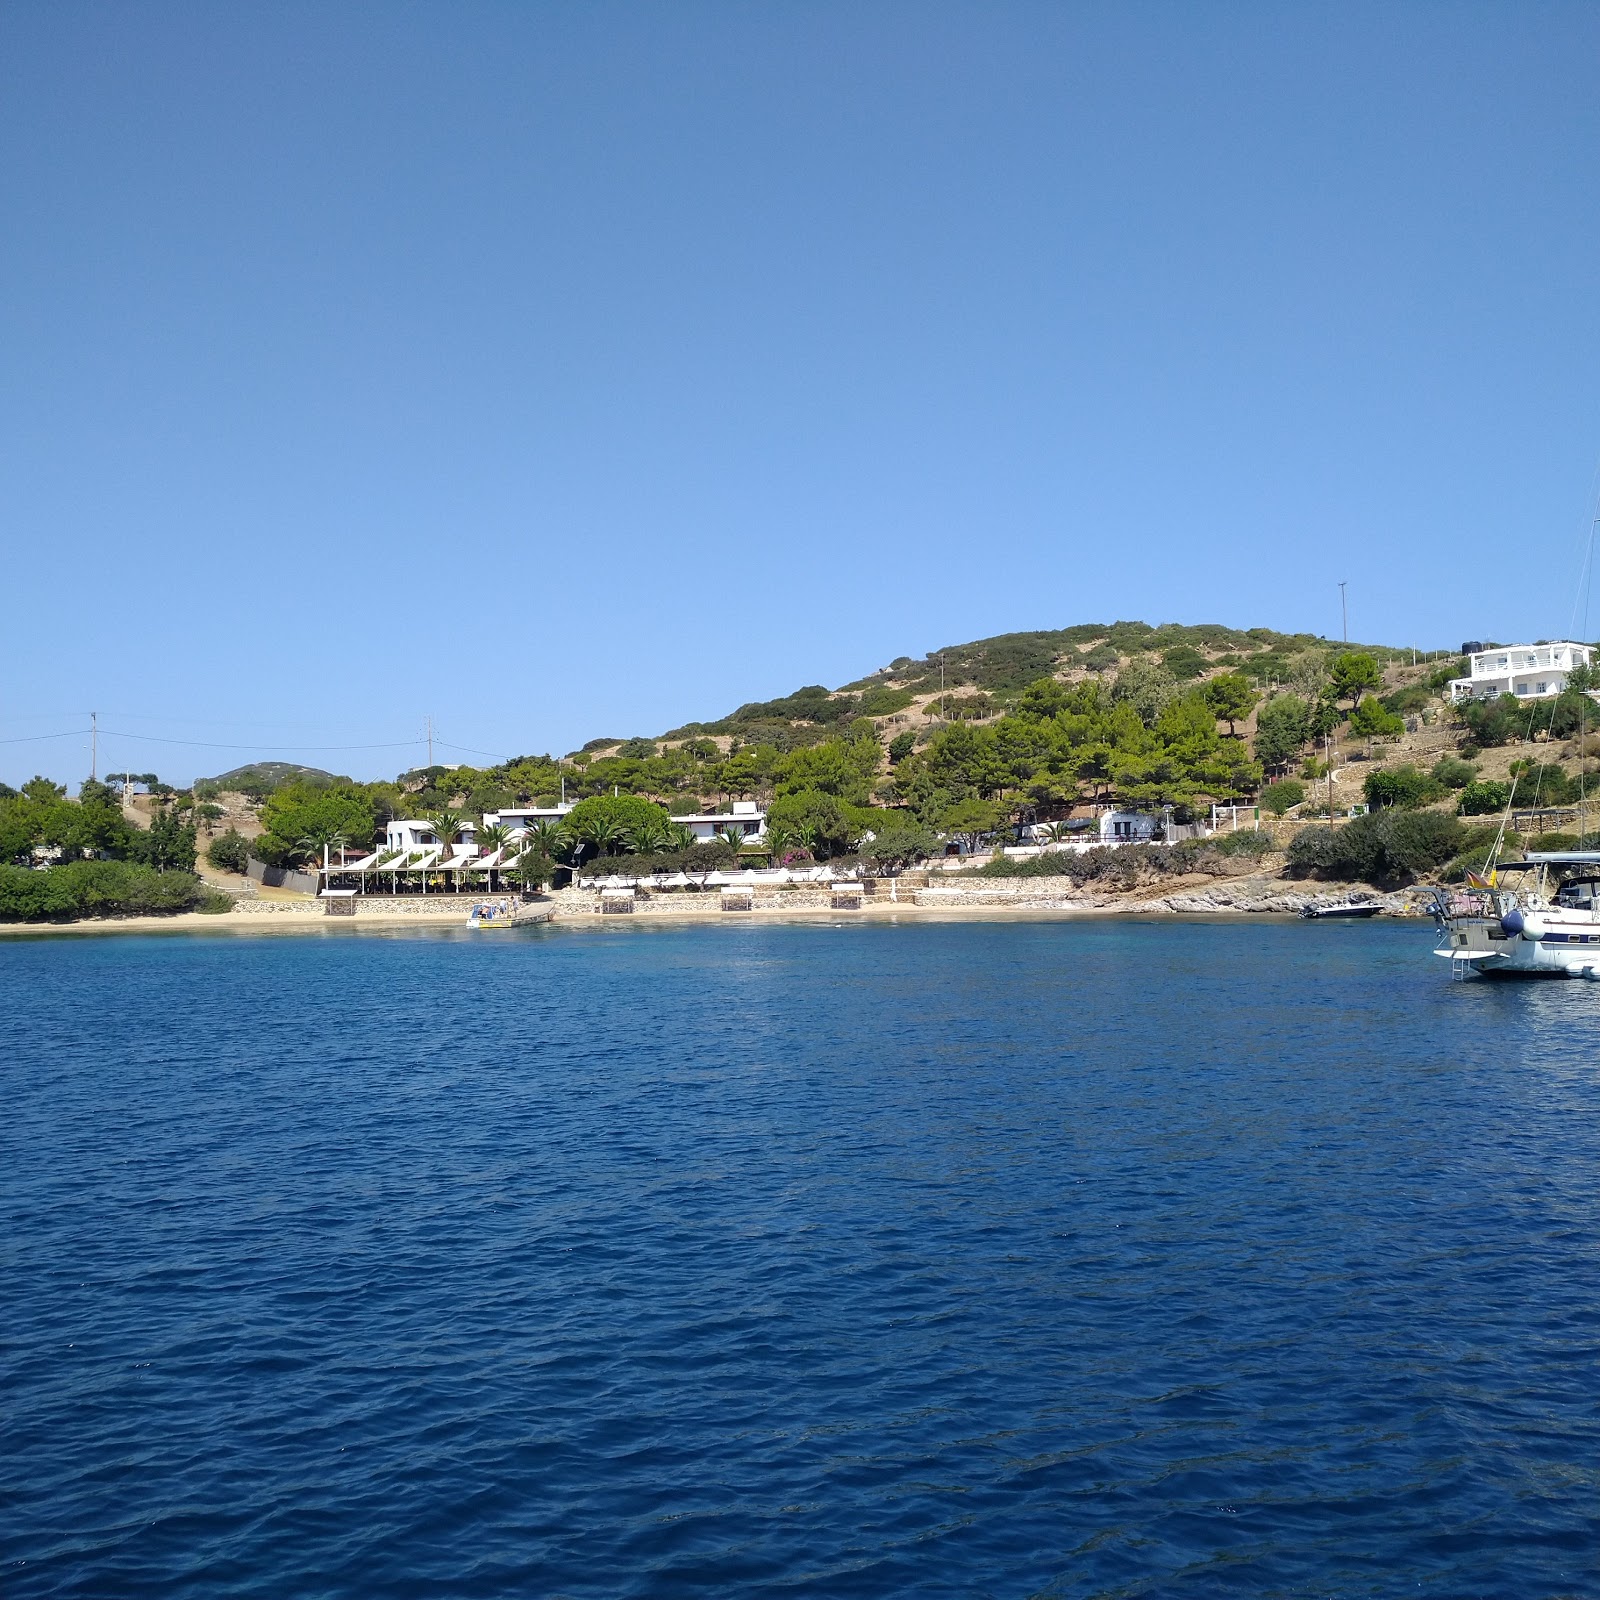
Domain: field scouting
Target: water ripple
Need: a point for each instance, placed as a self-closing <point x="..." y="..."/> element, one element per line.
<point x="1031" y="1260"/>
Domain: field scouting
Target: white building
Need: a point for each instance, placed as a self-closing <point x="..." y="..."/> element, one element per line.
<point x="524" y="817"/>
<point x="1128" y="827"/>
<point x="420" y="834"/>
<point x="747" y="819"/>
<point x="1528" y="671"/>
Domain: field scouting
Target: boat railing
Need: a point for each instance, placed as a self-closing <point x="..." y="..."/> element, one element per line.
<point x="1456" y="903"/>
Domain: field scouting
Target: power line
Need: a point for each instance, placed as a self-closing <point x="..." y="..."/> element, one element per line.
<point x="34" y="738"/>
<point x="492" y="754"/>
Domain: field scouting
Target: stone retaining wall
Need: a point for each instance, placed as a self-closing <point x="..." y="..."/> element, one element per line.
<point x="388" y="905"/>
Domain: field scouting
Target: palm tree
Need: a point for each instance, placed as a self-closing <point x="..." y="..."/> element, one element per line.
<point x="678" y="836"/>
<point x="733" y="837"/>
<point x="548" y="838"/>
<point x="489" y="838"/>
<point x="647" y="837"/>
<point x="602" y="832"/>
<point x="311" y="842"/>
<point x="493" y="836"/>
<point x="447" y="824"/>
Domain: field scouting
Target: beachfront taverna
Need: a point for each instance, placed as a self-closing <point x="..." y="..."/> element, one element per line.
<point x="1528" y="671"/>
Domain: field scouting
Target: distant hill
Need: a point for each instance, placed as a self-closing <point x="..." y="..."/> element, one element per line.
<point x="268" y="775"/>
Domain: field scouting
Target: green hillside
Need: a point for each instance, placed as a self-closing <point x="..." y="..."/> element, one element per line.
<point x="1021" y="727"/>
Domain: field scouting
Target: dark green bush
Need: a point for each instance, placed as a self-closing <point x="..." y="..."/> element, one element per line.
<point x="882" y="701"/>
<point x="1483" y="798"/>
<point x="1282" y="796"/>
<point x="1390" y="846"/>
<point x="229" y="851"/>
<point x="1495" y="722"/>
<point x="1123" y="866"/>
<point x="1452" y="773"/>
<point x="1403" y="787"/>
<point x="1414" y="697"/>
<point x="714" y="855"/>
<point x="95" y="889"/>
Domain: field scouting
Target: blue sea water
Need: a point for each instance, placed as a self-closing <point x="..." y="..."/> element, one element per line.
<point x="1068" y="1259"/>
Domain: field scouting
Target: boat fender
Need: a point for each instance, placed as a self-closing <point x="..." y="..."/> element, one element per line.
<point x="1513" y="922"/>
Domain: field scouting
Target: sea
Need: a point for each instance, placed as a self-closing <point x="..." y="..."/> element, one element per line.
<point x="1040" y="1258"/>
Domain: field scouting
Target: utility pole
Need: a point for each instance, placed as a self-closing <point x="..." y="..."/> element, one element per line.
<point x="430" y="739"/>
<point x="941" y="686"/>
<point x="1344" y="614"/>
<point x="94" y="745"/>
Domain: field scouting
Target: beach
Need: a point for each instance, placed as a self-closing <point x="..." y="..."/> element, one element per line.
<point x="986" y="901"/>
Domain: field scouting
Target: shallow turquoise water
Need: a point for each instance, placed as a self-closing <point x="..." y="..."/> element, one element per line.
<point x="1064" y="1259"/>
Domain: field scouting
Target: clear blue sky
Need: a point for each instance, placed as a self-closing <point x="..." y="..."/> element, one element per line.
<point x="584" y="369"/>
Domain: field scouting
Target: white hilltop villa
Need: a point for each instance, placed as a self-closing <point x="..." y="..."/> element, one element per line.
<point x="1528" y="671"/>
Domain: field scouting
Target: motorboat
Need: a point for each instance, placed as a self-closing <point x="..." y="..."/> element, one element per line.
<point x="1350" y="911"/>
<point x="1537" y="917"/>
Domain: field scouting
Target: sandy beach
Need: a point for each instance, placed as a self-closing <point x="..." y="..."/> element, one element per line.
<point x="1254" y="897"/>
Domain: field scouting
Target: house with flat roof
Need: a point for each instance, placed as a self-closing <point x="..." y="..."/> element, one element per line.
<point x="520" y="818"/>
<point x="1528" y="671"/>
<point x="420" y="834"/>
<point x="747" y="819"/>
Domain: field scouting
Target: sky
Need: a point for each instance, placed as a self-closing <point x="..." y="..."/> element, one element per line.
<point x="580" y="370"/>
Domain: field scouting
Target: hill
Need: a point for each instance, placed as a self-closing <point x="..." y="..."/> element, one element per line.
<point x="267" y="774"/>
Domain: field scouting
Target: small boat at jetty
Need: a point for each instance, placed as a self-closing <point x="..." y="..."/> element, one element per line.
<point x="1351" y="911"/>
<point x="505" y="914"/>
<point x="1544" y="923"/>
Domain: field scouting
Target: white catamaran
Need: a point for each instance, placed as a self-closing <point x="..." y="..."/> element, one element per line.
<point x="1544" y="923"/>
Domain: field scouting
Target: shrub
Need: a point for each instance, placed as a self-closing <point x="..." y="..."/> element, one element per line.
<point x="1495" y="722"/>
<point x="1282" y="796"/>
<point x="228" y="852"/>
<point x="898" y="846"/>
<point x="1402" y="787"/>
<point x="882" y="701"/>
<point x="1453" y="774"/>
<point x="1246" y="842"/>
<point x="1386" y="846"/>
<point x="1414" y="697"/>
<point x="1483" y="797"/>
<point x="95" y="889"/>
<point x="213" y="901"/>
<point x="1120" y="867"/>
<point x="1556" y="841"/>
<point x="709" y="855"/>
<point x="1183" y="661"/>
<point x="1369" y="720"/>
